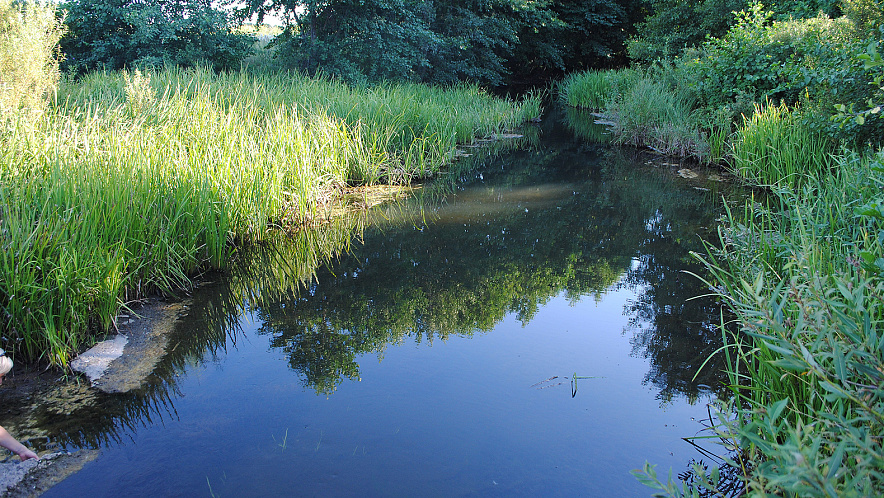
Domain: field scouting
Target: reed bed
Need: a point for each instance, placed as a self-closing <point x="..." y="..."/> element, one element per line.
<point x="593" y="89"/>
<point x="133" y="183"/>
<point x="774" y="148"/>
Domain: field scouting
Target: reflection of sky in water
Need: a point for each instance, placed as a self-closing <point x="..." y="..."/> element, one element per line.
<point x="568" y="267"/>
<point x="458" y="417"/>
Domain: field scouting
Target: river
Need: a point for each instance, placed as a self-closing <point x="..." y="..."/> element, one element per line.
<point x="522" y="327"/>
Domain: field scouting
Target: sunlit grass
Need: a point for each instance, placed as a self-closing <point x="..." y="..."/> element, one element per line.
<point x="773" y="147"/>
<point x="132" y="183"/>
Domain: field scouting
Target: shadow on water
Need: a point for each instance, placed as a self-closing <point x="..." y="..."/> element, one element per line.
<point x="498" y="237"/>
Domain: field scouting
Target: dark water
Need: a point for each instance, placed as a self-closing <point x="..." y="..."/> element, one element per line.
<point x="437" y="354"/>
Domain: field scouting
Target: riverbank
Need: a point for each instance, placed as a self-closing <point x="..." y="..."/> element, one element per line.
<point x="145" y="330"/>
<point x="801" y="271"/>
<point x="131" y="184"/>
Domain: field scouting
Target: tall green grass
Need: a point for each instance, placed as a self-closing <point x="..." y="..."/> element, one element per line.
<point x="651" y="114"/>
<point x="803" y="277"/>
<point x="132" y="183"/>
<point x="774" y="147"/>
<point x="594" y="89"/>
<point x="643" y="111"/>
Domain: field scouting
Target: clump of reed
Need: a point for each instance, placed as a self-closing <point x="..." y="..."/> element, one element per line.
<point x="133" y="183"/>
<point x="774" y="147"/>
<point x="643" y="110"/>
<point x="804" y="278"/>
<point x="593" y="89"/>
<point x="651" y="114"/>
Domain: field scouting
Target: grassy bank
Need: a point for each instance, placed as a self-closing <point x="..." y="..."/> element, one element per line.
<point x="803" y="277"/>
<point x="801" y="271"/>
<point x="129" y="183"/>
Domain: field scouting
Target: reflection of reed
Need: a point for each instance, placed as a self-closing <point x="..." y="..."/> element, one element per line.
<point x="583" y="124"/>
<point x="76" y="416"/>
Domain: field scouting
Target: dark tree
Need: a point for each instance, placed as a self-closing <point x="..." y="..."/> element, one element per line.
<point x="116" y="34"/>
<point x="441" y="41"/>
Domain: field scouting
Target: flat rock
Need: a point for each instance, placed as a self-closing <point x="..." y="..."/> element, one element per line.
<point x="124" y="362"/>
<point x="95" y="361"/>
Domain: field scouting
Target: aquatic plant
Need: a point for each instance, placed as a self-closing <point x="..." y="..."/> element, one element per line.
<point x="593" y="89"/>
<point x="803" y="277"/>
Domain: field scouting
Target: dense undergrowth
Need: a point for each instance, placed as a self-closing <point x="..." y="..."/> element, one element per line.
<point x="788" y="106"/>
<point x="120" y="184"/>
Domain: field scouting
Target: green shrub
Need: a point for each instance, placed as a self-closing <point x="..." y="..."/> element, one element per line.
<point x="809" y="60"/>
<point x="674" y="26"/>
<point x="29" y="34"/>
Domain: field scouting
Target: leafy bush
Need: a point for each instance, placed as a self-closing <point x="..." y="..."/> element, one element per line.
<point x="811" y="59"/>
<point x="29" y="34"/>
<point x="117" y="34"/>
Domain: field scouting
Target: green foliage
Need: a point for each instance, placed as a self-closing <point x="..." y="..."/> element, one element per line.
<point x="802" y="277"/>
<point x="846" y="115"/>
<point x="780" y="61"/>
<point x="29" y="34"/>
<point x="867" y="16"/>
<point x="649" y="113"/>
<point x="135" y="182"/>
<point x="444" y="41"/>
<point x="117" y="34"/>
<point x="674" y="26"/>
<point x="591" y="33"/>
<point x="774" y="147"/>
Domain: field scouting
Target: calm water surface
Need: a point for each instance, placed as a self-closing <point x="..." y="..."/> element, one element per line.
<point x="437" y="354"/>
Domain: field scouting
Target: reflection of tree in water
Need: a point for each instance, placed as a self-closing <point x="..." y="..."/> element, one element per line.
<point x="671" y="325"/>
<point x="673" y="321"/>
<point x="540" y="224"/>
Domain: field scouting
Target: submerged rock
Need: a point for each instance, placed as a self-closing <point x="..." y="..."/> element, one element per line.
<point x="95" y="361"/>
<point x="34" y="477"/>
<point x="124" y="362"/>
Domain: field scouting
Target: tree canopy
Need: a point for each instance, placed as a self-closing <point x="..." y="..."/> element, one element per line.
<point x="116" y="34"/>
<point x="487" y="41"/>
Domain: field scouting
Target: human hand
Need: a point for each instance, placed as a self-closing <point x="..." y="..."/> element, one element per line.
<point x="27" y="454"/>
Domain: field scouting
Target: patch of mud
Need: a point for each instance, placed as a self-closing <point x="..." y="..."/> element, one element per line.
<point x="34" y="477"/>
